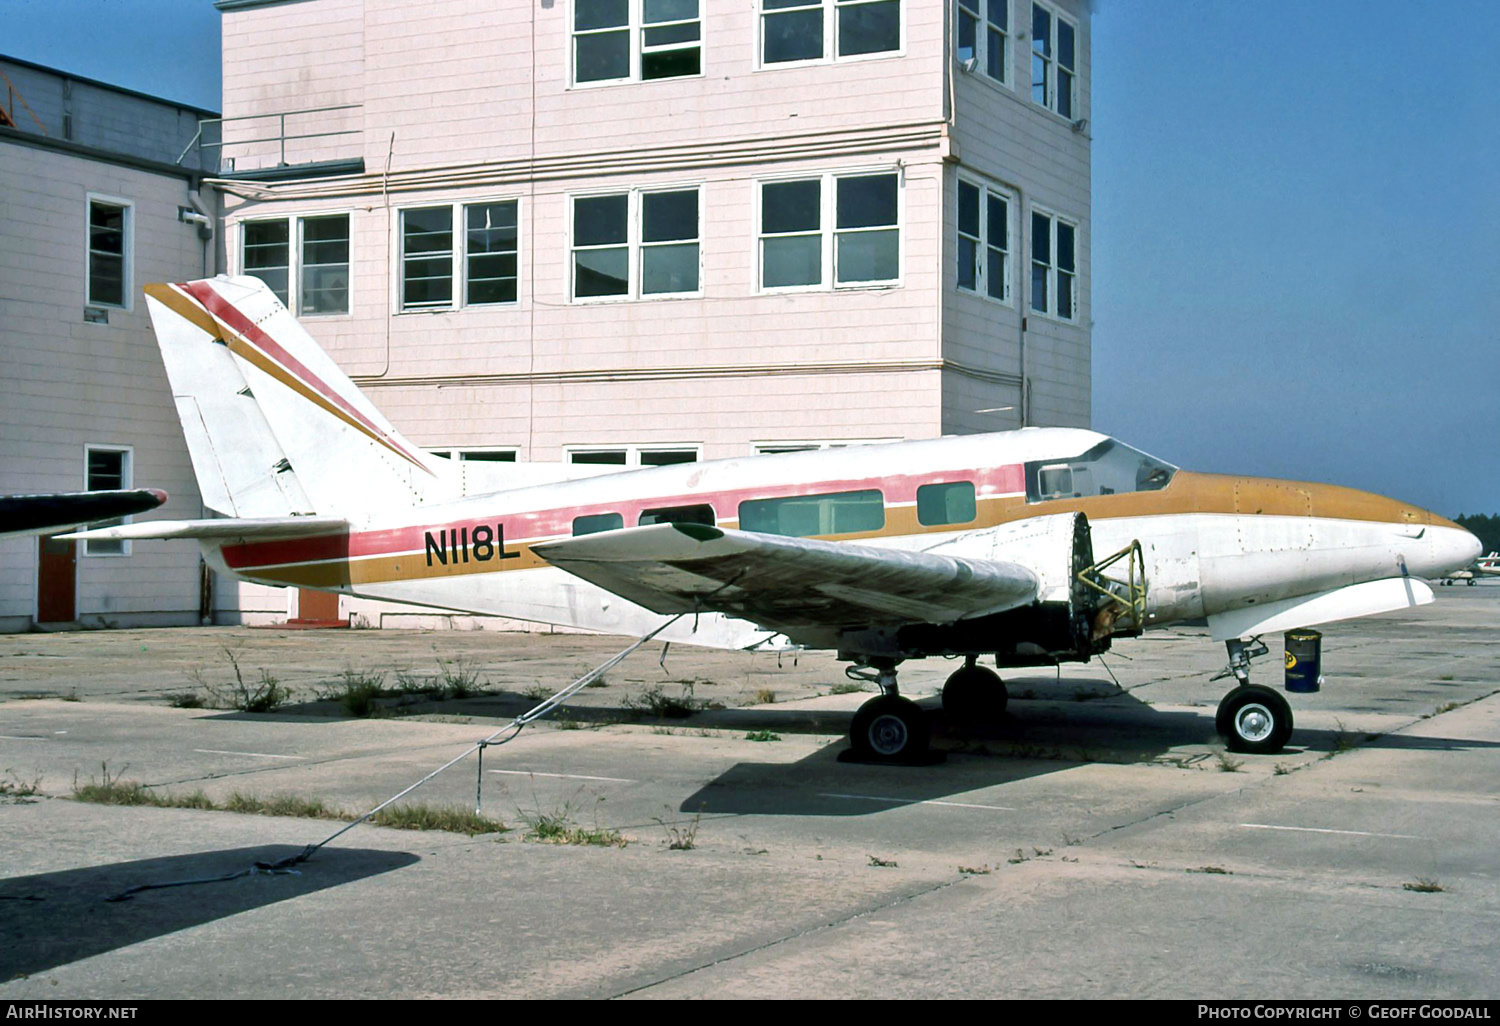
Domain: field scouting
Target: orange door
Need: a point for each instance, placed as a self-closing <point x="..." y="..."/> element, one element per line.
<point x="56" y="581"/>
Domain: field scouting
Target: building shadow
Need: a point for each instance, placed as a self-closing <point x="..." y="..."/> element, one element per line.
<point x="53" y="919"/>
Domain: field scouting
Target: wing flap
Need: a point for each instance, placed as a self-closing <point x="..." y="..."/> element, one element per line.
<point x="781" y="582"/>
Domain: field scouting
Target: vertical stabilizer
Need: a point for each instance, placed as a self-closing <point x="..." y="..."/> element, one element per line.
<point x="273" y="426"/>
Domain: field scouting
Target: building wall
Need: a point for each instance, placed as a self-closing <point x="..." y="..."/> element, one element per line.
<point x="1004" y="139"/>
<point x="69" y="384"/>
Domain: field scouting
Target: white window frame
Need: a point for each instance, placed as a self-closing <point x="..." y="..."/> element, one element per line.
<point x="466" y="453"/>
<point x="635" y="26"/>
<point x="459" y="254"/>
<point x="634" y="246"/>
<point x="127" y="254"/>
<point x="980" y="10"/>
<point x="1051" y="63"/>
<point x="633" y="453"/>
<point x="829" y="232"/>
<point x="830" y="9"/>
<point x="294" y="256"/>
<point x="1054" y="219"/>
<point x="127" y="478"/>
<point x="983" y="275"/>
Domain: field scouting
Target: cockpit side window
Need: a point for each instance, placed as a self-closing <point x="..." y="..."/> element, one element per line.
<point x="1109" y="468"/>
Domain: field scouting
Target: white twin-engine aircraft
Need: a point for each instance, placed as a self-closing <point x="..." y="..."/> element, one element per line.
<point x="1035" y="547"/>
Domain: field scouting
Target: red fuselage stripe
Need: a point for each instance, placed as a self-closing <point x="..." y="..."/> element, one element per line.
<point x="536" y="525"/>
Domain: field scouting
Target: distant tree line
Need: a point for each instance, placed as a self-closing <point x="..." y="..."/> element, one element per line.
<point x="1485" y="528"/>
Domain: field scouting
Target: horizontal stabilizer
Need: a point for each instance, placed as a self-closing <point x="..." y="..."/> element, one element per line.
<point x="42" y="514"/>
<point x="784" y="583"/>
<point x="217" y="530"/>
<point x="1366" y="599"/>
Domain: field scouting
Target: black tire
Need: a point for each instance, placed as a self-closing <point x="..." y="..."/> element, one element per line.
<point x="889" y="729"/>
<point x="1255" y="720"/>
<point x="974" y="695"/>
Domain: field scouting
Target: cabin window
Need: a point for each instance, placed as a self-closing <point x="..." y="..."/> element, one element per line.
<point x="699" y="514"/>
<point x="597" y="522"/>
<point x="1109" y="468"/>
<point x="951" y="503"/>
<point x="804" y="516"/>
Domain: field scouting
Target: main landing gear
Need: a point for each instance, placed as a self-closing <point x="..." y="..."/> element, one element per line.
<point x="1252" y="718"/>
<point x="887" y="728"/>
<point x="974" y="695"/>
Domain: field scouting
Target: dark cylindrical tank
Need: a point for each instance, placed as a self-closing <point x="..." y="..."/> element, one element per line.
<point x="1304" y="660"/>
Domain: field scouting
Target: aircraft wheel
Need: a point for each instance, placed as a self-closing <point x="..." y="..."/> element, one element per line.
<point x="1255" y="720"/>
<point x="974" y="694"/>
<point x="889" y="729"/>
<point x="1470" y="582"/>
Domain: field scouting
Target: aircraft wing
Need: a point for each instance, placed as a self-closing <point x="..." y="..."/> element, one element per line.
<point x="44" y="514"/>
<point x="784" y="583"/>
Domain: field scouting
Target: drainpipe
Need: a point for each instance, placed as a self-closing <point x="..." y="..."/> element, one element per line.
<point x="205" y="231"/>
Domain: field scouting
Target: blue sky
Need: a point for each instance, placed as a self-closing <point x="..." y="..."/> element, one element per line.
<point x="1295" y="230"/>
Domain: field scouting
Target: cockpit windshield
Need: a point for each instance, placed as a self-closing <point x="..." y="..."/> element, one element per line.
<point x="1109" y="468"/>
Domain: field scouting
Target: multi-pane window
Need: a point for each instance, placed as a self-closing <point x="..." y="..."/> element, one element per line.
<point x="106" y="470"/>
<point x="636" y="40"/>
<point x="983" y="241"/>
<point x="311" y="277"/>
<point x="1054" y="60"/>
<point x="109" y="253"/>
<point x="426" y="258"/>
<point x="983" y="37"/>
<point x="636" y="244"/>
<point x="811" y="30"/>
<point x="268" y="255"/>
<point x="838" y="229"/>
<point x="490" y="272"/>
<point x="484" y="254"/>
<point x="325" y="265"/>
<point x="1054" y="266"/>
<point x="476" y="455"/>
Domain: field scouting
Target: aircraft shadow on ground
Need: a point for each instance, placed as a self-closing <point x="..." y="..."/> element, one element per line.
<point x="52" y="919"/>
<point x="1043" y="734"/>
<point x="1036" y="736"/>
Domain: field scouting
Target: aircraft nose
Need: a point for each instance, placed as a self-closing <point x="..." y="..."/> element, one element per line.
<point x="1455" y="548"/>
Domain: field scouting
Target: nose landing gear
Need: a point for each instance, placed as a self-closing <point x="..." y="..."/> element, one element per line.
<point x="1252" y="718"/>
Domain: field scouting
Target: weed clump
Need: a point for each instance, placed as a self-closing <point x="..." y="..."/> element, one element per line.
<point x="263" y="695"/>
<point x="655" y="702"/>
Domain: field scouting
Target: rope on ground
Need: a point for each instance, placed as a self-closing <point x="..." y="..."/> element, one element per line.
<point x="515" y="726"/>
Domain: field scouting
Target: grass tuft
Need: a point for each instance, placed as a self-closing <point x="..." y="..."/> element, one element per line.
<point x="1424" y="886"/>
<point x="681" y="836"/>
<point x="1229" y="764"/>
<point x="762" y="735"/>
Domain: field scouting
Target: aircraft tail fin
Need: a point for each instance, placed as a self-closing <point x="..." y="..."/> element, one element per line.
<point x="273" y="426"/>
